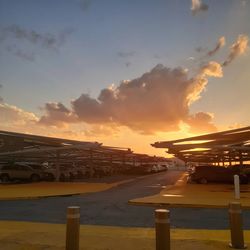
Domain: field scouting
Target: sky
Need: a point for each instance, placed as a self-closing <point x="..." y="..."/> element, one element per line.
<point x="124" y="73"/>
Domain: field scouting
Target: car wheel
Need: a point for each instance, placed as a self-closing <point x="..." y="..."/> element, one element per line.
<point x="203" y="181"/>
<point x="34" y="178"/>
<point x="5" y="178"/>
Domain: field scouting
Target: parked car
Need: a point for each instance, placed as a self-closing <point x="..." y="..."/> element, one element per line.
<point x="154" y="169"/>
<point x="49" y="171"/>
<point x="64" y="173"/>
<point x="17" y="171"/>
<point x="205" y="174"/>
<point x="244" y="169"/>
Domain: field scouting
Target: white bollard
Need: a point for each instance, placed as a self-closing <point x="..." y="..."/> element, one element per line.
<point x="236" y="187"/>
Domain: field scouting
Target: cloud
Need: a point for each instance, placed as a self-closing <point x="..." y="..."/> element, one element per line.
<point x="85" y="4"/>
<point x="1" y="98"/>
<point x="14" y="34"/>
<point x="221" y="42"/>
<point x="20" y="53"/>
<point x="56" y="114"/>
<point x="200" y="49"/>
<point x="236" y="125"/>
<point x="199" y="82"/>
<point x="238" y="48"/>
<point x="201" y="122"/>
<point x="157" y="101"/>
<point x="128" y="64"/>
<point x="101" y="130"/>
<point x="13" y="116"/>
<point x="198" y="6"/>
<point x="212" y="68"/>
<point x="126" y="54"/>
<point x="46" y="40"/>
<point x="243" y="3"/>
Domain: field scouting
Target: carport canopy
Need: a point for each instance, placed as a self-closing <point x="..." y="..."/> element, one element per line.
<point x="19" y="147"/>
<point x="226" y="146"/>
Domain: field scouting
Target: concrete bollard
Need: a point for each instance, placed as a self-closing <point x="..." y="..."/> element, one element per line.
<point x="236" y="187"/>
<point x="162" y="229"/>
<point x="73" y="228"/>
<point x="236" y="227"/>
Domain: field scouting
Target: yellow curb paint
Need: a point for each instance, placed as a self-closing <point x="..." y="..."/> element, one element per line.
<point x="38" y="236"/>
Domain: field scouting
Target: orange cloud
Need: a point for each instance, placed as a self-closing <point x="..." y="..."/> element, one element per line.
<point x="157" y="101"/>
<point x="201" y="122"/>
<point x="12" y="115"/>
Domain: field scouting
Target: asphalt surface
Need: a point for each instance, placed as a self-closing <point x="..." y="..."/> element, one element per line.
<point x="111" y="207"/>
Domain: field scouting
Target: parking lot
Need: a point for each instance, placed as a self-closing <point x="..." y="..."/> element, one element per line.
<point x="110" y="207"/>
<point x="193" y="195"/>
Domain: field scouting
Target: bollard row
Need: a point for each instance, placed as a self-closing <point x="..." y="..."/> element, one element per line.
<point x="162" y="227"/>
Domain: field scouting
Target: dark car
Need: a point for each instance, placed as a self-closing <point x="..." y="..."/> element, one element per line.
<point x="205" y="174"/>
<point x="244" y="169"/>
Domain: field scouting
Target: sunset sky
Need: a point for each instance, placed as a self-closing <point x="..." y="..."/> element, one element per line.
<point x="124" y="72"/>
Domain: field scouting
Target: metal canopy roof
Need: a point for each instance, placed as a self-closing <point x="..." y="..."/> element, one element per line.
<point x="40" y="148"/>
<point x="226" y="146"/>
<point x="11" y="141"/>
<point x="33" y="148"/>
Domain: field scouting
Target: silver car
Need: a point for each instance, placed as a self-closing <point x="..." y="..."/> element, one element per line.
<point x="19" y="172"/>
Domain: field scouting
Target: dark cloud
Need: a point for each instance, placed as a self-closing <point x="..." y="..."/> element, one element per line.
<point x="20" y="53"/>
<point x="128" y="64"/>
<point x="56" y="114"/>
<point x="238" y="48"/>
<point x="46" y="40"/>
<point x="14" y="34"/>
<point x="126" y="54"/>
<point x="156" y="56"/>
<point x="85" y="4"/>
<point x="221" y="42"/>
<point x="198" y="6"/>
<point x="200" y="49"/>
